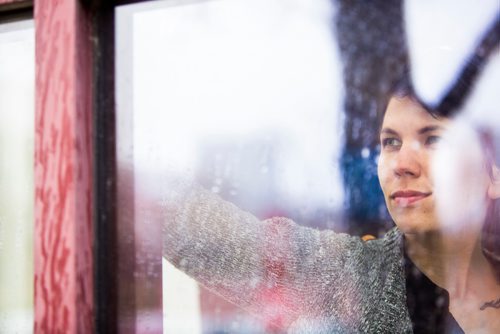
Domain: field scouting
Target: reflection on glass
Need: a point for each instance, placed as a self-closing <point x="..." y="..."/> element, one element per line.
<point x="17" y="81"/>
<point x="251" y="111"/>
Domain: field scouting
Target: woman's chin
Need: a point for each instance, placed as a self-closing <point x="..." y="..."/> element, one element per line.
<point x="416" y="225"/>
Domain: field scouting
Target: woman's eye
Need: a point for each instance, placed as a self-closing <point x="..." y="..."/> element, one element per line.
<point x="431" y="140"/>
<point x="391" y="142"/>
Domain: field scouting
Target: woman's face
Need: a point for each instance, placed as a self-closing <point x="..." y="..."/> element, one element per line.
<point x="432" y="171"/>
<point x="409" y="138"/>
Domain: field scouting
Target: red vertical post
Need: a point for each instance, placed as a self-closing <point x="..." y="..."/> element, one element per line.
<point x="63" y="169"/>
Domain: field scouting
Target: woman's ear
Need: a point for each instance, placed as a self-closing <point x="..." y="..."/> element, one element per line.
<point x="494" y="187"/>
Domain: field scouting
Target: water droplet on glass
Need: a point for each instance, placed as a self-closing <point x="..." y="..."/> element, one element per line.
<point x="365" y="153"/>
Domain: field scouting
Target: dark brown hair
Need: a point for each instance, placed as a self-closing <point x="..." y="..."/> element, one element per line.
<point x="490" y="239"/>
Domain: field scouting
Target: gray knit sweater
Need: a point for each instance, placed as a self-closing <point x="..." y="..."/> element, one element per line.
<point x="327" y="282"/>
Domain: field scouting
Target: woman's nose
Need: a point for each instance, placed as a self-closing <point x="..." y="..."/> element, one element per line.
<point x="408" y="161"/>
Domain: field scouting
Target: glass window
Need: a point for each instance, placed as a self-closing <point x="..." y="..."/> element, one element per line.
<point x="277" y="107"/>
<point x="17" y="82"/>
<point x="251" y="111"/>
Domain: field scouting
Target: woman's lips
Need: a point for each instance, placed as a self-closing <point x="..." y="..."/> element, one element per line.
<point x="404" y="198"/>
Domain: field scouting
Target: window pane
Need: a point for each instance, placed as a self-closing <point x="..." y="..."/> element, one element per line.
<point x="17" y="81"/>
<point x="263" y="109"/>
<point x="251" y="111"/>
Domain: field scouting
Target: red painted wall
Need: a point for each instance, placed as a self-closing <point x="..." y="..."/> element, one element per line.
<point x="63" y="169"/>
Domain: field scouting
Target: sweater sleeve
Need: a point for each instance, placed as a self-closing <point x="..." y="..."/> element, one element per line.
<point x="263" y="266"/>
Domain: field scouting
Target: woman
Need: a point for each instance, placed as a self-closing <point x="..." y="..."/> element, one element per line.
<point x="326" y="282"/>
<point x="448" y="248"/>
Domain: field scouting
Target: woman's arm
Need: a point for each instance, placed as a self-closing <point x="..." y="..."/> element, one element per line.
<point x="258" y="264"/>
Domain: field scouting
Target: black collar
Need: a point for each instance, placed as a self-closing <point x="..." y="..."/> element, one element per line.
<point x="427" y="303"/>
